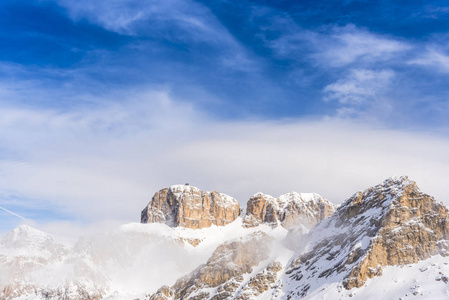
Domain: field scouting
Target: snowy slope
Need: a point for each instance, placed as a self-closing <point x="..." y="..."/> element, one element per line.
<point x="426" y="279"/>
<point x="391" y="224"/>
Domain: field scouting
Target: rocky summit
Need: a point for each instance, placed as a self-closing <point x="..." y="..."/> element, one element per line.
<point x="390" y="224"/>
<point x="188" y="206"/>
<point x="292" y="209"/>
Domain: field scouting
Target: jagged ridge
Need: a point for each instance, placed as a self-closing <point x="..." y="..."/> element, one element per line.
<point x="288" y="210"/>
<point x="393" y="223"/>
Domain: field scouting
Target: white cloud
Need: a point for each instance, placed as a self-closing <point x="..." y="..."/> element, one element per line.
<point x="105" y="163"/>
<point x="434" y="59"/>
<point x="184" y="18"/>
<point x="359" y="87"/>
<point x="335" y="47"/>
<point x="346" y="45"/>
<point x="179" y="21"/>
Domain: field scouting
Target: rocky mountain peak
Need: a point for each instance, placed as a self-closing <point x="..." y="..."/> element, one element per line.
<point x="288" y="210"/>
<point x="393" y="223"/>
<point x="188" y="206"/>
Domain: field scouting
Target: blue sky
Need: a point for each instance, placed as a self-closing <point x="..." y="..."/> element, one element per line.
<point x="119" y="93"/>
<point x="240" y="59"/>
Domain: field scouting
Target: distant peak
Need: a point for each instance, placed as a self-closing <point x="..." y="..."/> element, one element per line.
<point x="27" y="229"/>
<point x="397" y="180"/>
<point x="26" y="233"/>
<point x="183" y="188"/>
<point x="288" y="210"/>
<point x="260" y="194"/>
<point x="301" y="197"/>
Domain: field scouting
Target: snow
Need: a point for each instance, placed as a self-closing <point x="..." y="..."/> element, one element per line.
<point x="300" y="198"/>
<point x="362" y="244"/>
<point x="28" y="242"/>
<point x="424" y="278"/>
<point x="180" y="189"/>
<point x="228" y="200"/>
<point x="303" y="200"/>
<point x="262" y="195"/>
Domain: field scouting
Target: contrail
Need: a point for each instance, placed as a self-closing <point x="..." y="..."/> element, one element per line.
<point x="14" y="214"/>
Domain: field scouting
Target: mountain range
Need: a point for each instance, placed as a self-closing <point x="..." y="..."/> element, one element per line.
<point x="390" y="241"/>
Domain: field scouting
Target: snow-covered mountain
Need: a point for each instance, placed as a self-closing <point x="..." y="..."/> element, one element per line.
<point x="389" y="242"/>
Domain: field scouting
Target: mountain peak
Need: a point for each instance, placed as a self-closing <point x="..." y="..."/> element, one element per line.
<point x="288" y="210"/>
<point x="398" y="181"/>
<point x="183" y="188"/>
<point x="392" y="223"/>
<point x="188" y="206"/>
<point x="25" y="233"/>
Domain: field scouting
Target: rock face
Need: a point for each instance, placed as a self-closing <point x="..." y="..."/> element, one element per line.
<point x="393" y="223"/>
<point x="223" y="274"/>
<point x="288" y="210"/>
<point x="188" y="206"/>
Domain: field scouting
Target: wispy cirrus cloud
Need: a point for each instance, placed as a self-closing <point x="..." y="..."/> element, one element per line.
<point x="349" y="44"/>
<point x="432" y="58"/>
<point x="332" y="46"/>
<point x="359" y="87"/>
<point x="176" y="20"/>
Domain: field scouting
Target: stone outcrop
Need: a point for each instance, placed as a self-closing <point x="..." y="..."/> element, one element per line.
<point x="288" y="210"/>
<point x="223" y="274"/>
<point x="262" y="282"/>
<point x="188" y="206"/>
<point x="393" y="223"/>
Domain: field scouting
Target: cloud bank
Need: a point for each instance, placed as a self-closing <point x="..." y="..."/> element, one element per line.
<point x="105" y="163"/>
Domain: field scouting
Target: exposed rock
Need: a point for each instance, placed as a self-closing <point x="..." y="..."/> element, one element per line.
<point x="191" y="241"/>
<point x="262" y="282"/>
<point x="164" y="293"/>
<point x="188" y="206"/>
<point x="223" y="273"/>
<point x="292" y="209"/>
<point x="393" y="223"/>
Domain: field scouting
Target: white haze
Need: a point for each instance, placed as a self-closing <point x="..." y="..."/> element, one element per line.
<point x="127" y="261"/>
<point x="103" y="163"/>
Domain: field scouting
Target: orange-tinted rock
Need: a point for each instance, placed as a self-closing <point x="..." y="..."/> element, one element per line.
<point x="224" y="272"/>
<point x="288" y="210"/>
<point x="393" y="223"/>
<point x="188" y="206"/>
